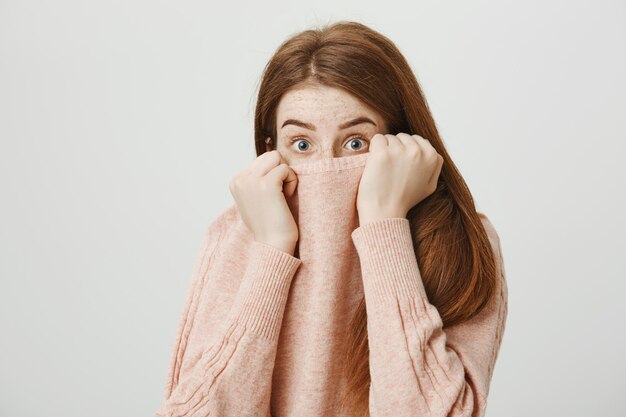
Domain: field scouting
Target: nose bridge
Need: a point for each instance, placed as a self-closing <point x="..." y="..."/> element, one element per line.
<point x="329" y="152"/>
<point x="329" y="148"/>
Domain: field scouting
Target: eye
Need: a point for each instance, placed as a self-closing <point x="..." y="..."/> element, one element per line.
<point x="355" y="139"/>
<point x="300" y="140"/>
<point x="303" y="145"/>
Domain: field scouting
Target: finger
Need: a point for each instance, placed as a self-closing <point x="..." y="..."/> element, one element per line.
<point x="284" y="176"/>
<point x="290" y="184"/>
<point x="255" y="161"/>
<point x="429" y="149"/>
<point x="437" y="170"/>
<point x="265" y="162"/>
<point x="258" y="160"/>
<point x="430" y="152"/>
<point x="441" y="161"/>
<point x="425" y="143"/>
<point x="290" y="180"/>
<point x="395" y="143"/>
<point x="378" y="142"/>
<point x="407" y="140"/>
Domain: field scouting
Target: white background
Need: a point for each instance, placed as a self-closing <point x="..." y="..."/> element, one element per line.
<point x="121" y="123"/>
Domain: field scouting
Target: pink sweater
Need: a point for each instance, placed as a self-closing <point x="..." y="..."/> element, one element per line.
<point x="261" y="330"/>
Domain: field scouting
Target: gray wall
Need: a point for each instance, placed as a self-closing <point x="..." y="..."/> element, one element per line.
<point x="121" y="123"/>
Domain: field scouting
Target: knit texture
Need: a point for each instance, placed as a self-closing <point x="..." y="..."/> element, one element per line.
<point x="261" y="330"/>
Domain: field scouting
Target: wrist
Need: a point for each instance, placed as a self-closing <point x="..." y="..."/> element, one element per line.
<point x="370" y="216"/>
<point x="288" y="246"/>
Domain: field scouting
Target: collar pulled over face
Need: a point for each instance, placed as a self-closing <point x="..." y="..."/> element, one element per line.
<point x="324" y="204"/>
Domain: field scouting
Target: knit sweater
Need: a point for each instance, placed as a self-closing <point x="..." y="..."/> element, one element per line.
<point x="262" y="330"/>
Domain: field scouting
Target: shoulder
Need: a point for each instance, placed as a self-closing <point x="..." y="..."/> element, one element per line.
<point x="490" y="229"/>
<point x="494" y="240"/>
<point x="222" y="223"/>
<point x="226" y="217"/>
<point x="496" y="247"/>
<point x="498" y="306"/>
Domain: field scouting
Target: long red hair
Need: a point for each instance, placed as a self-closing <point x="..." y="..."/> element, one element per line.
<point x="445" y="225"/>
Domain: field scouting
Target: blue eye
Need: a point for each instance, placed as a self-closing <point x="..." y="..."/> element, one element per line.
<point x="354" y="140"/>
<point x="303" y="145"/>
<point x="300" y="141"/>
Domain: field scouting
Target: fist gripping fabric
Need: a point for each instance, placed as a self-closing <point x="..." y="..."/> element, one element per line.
<point x="262" y="331"/>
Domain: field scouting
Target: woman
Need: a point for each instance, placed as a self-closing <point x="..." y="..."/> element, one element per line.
<point x="424" y="338"/>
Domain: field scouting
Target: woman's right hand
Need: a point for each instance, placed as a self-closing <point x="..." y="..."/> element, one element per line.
<point x="258" y="193"/>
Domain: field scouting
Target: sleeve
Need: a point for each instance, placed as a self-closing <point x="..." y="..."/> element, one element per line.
<point x="417" y="368"/>
<point x="233" y="375"/>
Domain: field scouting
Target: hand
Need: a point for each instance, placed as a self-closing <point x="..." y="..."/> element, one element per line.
<point x="258" y="193"/>
<point x="401" y="170"/>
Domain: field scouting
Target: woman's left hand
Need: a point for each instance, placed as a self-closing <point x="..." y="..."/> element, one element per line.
<point x="401" y="170"/>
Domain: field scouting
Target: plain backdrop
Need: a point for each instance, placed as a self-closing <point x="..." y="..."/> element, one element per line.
<point x="121" y="123"/>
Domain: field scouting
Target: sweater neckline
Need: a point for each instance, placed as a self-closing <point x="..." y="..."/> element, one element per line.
<point x="330" y="164"/>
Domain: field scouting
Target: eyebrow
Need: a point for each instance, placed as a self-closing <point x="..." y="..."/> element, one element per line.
<point x="345" y="125"/>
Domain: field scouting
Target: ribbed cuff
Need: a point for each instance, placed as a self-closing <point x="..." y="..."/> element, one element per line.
<point x="387" y="259"/>
<point x="260" y="303"/>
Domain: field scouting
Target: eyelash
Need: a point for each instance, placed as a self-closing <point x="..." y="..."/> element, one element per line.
<point x="298" y="138"/>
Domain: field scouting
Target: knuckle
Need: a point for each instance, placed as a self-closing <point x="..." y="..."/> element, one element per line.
<point x="416" y="148"/>
<point x="413" y="151"/>
<point x="275" y="155"/>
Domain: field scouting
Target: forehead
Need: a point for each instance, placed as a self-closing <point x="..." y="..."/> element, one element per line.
<point x="321" y="103"/>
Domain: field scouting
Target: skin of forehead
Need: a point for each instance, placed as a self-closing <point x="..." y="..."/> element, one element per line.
<point x="325" y="107"/>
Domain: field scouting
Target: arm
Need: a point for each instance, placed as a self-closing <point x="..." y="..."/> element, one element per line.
<point x="417" y="369"/>
<point x="233" y="376"/>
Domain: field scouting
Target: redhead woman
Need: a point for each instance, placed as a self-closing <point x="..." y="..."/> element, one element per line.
<point x="379" y="291"/>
